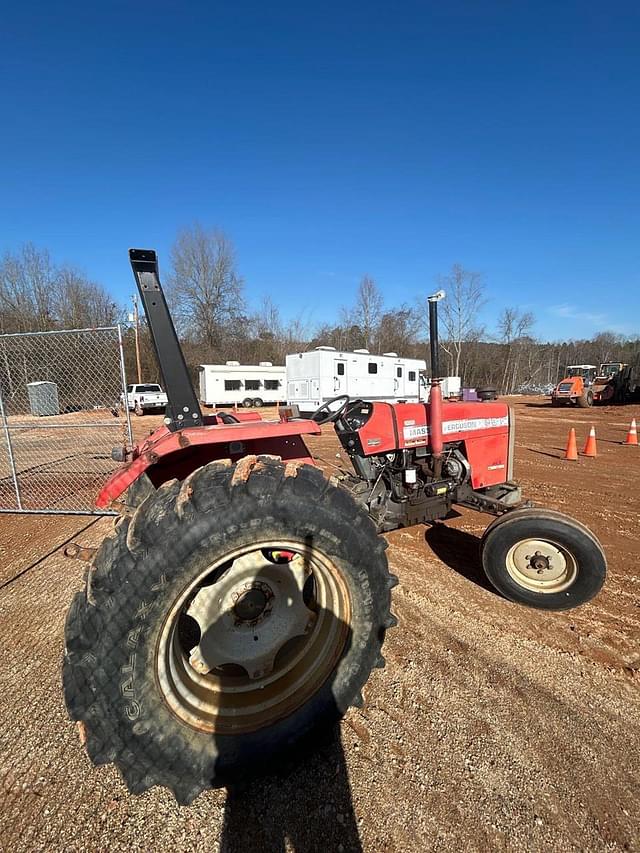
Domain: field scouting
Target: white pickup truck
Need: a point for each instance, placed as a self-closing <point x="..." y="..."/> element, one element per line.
<point x="145" y="398"/>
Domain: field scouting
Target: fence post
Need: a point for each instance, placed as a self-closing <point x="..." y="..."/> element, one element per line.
<point x="12" y="463"/>
<point x="123" y="380"/>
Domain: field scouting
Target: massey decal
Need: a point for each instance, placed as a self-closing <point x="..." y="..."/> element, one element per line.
<point x="412" y="432"/>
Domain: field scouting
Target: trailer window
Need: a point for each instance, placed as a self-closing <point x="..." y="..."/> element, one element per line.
<point x="373" y="368"/>
<point x="412" y="376"/>
<point x="271" y="384"/>
<point x="252" y="384"/>
<point x="340" y="368"/>
<point x="399" y="373"/>
<point x="231" y="384"/>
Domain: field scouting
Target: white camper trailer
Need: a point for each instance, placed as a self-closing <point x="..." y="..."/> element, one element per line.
<point x="316" y="376"/>
<point x="242" y="384"/>
<point x="451" y="387"/>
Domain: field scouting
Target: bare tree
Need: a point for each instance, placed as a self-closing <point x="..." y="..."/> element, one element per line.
<point x="204" y="287"/>
<point x="35" y="295"/>
<point x="514" y="327"/>
<point x="459" y="312"/>
<point x="366" y="313"/>
<point x="27" y="286"/>
<point x="398" y="330"/>
<point x="80" y="303"/>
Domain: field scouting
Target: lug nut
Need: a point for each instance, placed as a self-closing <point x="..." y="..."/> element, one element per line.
<point x="199" y="665"/>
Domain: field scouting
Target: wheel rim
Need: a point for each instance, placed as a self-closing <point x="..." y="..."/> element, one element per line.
<point x="253" y="637"/>
<point x="541" y="566"/>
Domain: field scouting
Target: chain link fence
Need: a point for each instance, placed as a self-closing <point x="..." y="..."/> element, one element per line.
<point x="61" y="414"/>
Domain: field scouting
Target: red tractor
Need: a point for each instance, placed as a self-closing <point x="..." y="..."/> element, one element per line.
<point x="242" y="599"/>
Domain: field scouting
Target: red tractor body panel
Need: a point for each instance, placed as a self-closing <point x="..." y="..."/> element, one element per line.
<point x="482" y="427"/>
<point x="165" y="454"/>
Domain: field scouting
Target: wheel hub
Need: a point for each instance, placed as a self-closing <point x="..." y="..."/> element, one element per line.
<point x="249" y="614"/>
<point x="252" y="604"/>
<point x="540" y="563"/>
<point x="541" y="566"/>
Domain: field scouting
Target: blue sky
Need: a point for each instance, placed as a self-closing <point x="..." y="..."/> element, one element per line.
<point x="329" y="140"/>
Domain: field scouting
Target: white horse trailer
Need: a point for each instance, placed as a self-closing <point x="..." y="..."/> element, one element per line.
<point x="316" y="376"/>
<point x="242" y="384"/>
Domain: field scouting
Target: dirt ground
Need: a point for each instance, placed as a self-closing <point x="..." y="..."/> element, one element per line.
<point x="491" y="727"/>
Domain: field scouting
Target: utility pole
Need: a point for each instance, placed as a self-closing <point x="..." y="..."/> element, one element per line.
<point x="136" y="325"/>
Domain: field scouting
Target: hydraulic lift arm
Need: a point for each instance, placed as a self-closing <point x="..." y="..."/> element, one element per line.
<point x="183" y="408"/>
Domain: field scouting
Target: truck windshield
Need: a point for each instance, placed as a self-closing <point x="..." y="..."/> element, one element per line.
<point x="147" y="389"/>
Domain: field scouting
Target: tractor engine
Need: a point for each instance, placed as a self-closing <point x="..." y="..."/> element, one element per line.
<point x="402" y="481"/>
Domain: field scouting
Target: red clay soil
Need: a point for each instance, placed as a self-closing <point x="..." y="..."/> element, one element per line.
<point x="492" y="726"/>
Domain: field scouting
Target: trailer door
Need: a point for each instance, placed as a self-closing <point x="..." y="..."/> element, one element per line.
<point x="339" y="376"/>
<point x="398" y="381"/>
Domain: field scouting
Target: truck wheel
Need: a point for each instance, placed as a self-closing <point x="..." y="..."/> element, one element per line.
<point x="222" y="625"/>
<point x="258" y="403"/>
<point x="247" y="403"/>
<point x="543" y="559"/>
<point x="138" y="410"/>
<point x="586" y="400"/>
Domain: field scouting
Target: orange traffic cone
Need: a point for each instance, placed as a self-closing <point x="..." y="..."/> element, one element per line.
<point x="632" y="435"/>
<point x="590" y="446"/>
<point x="571" y="452"/>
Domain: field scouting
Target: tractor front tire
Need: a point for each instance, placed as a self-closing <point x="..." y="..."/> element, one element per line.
<point x="544" y="559"/>
<point x="223" y="624"/>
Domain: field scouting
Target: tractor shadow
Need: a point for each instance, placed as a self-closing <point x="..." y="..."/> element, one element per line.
<point x="305" y="809"/>
<point x="305" y="804"/>
<point x="461" y="552"/>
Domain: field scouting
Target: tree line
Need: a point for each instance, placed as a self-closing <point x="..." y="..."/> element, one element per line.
<point x="216" y="323"/>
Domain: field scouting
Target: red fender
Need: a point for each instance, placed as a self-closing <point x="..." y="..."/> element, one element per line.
<point x="165" y="455"/>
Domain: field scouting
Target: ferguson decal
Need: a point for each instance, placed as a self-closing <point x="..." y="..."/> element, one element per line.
<point x="411" y="433"/>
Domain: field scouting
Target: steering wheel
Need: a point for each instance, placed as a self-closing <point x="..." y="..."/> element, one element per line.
<point x="330" y="416"/>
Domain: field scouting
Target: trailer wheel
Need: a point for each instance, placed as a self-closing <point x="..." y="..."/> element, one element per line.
<point x="586" y="399"/>
<point x="258" y="402"/>
<point x="247" y="403"/>
<point x="223" y="624"/>
<point x="543" y="559"/>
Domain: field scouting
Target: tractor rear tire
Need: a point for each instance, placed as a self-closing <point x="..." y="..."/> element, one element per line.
<point x="544" y="559"/>
<point x="225" y="623"/>
<point x="585" y="401"/>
